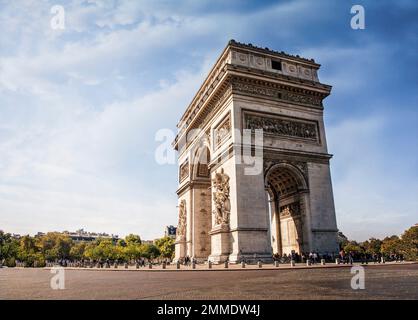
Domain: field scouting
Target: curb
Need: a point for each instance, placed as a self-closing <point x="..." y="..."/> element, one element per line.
<point x="252" y="268"/>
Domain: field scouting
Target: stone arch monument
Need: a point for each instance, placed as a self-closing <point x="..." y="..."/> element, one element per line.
<point x="287" y="205"/>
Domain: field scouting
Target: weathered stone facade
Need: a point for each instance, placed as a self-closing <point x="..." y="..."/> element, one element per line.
<point x="288" y="206"/>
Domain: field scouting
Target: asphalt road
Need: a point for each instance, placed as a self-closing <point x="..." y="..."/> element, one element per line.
<point x="381" y="282"/>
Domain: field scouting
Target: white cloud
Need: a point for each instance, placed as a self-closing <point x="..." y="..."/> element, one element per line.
<point x="64" y="172"/>
<point x="372" y="198"/>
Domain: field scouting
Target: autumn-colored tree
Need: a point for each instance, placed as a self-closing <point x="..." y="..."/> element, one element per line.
<point x="132" y="239"/>
<point x="372" y="246"/>
<point x="342" y="240"/>
<point x="132" y="252"/>
<point x="165" y="246"/>
<point x="29" y="253"/>
<point x="353" y="247"/>
<point x="391" y="245"/>
<point x="149" y="251"/>
<point x="410" y="243"/>
<point x="105" y="249"/>
<point x="77" y="251"/>
<point x="54" y="245"/>
<point x="9" y="248"/>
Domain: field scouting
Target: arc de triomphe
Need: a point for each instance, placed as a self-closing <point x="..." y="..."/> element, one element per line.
<point x="226" y="213"/>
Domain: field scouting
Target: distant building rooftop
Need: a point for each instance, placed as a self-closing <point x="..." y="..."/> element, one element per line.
<point x="81" y="235"/>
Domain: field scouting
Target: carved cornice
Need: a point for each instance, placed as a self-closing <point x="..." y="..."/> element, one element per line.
<point x="295" y="155"/>
<point x="283" y="79"/>
<point x="248" y="229"/>
<point x="188" y="185"/>
<point x="280" y="54"/>
<point x="276" y="91"/>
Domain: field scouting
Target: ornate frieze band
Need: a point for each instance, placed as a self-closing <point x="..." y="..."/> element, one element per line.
<point x="277" y="92"/>
<point x="282" y="126"/>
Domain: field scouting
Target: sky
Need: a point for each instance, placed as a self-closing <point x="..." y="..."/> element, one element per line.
<point x="80" y="106"/>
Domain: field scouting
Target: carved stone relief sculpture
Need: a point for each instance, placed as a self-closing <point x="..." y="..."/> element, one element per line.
<point x="223" y="131"/>
<point x="181" y="227"/>
<point x="184" y="171"/>
<point x="220" y="185"/>
<point x="282" y="127"/>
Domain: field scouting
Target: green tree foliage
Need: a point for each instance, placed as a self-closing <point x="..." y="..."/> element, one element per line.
<point x="102" y="249"/>
<point x="342" y="239"/>
<point x="391" y="245"/>
<point x="132" y="239"/>
<point x="54" y="246"/>
<point x="353" y="247"/>
<point x="409" y="244"/>
<point x="149" y="251"/>
<point x="121" y="243"/>
<point x="372" y="246"/>
<point x="77" y="251"/>
<point x="9" y="248"/>
<point x="165" y="246"/>
<point x="29" y="253"/>
<point x="131" y="252"/>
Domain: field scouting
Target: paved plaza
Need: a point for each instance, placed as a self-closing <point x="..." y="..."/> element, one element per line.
<point x="389" y="281"/>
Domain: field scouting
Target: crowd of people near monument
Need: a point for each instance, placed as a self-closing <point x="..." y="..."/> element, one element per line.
<point x="343" y="257"/>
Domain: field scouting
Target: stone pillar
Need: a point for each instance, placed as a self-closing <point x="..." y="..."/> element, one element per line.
<point x="180" y="249"/>
<point x="220" y="243"/>
<point x="275" y="225"/>
<point x="250" y="221"/>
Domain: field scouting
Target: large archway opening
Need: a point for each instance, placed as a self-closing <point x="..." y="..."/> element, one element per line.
<point x="286" y="189"/>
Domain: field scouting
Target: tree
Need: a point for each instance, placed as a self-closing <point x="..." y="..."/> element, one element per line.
<point x="353" y="247"/>
<point x="9" y="247"/>
<point x="54" y="245"/>
<point x="409" y="243"/>
<point x="132" y="252"/>
<point x="121" y="243"/>
<point x="342" y="239"/>
<point x="28" y="251"/>
<point x="149" y="251"/>
<point x="372" y="246"/>
<point x="105" y="250"/>
<point x="132" y="239"/>
<point x="165" y="246"/>
<point x="77" y="251"/>
<point x="391" y="245"/>
<point x="89" y="251"/>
